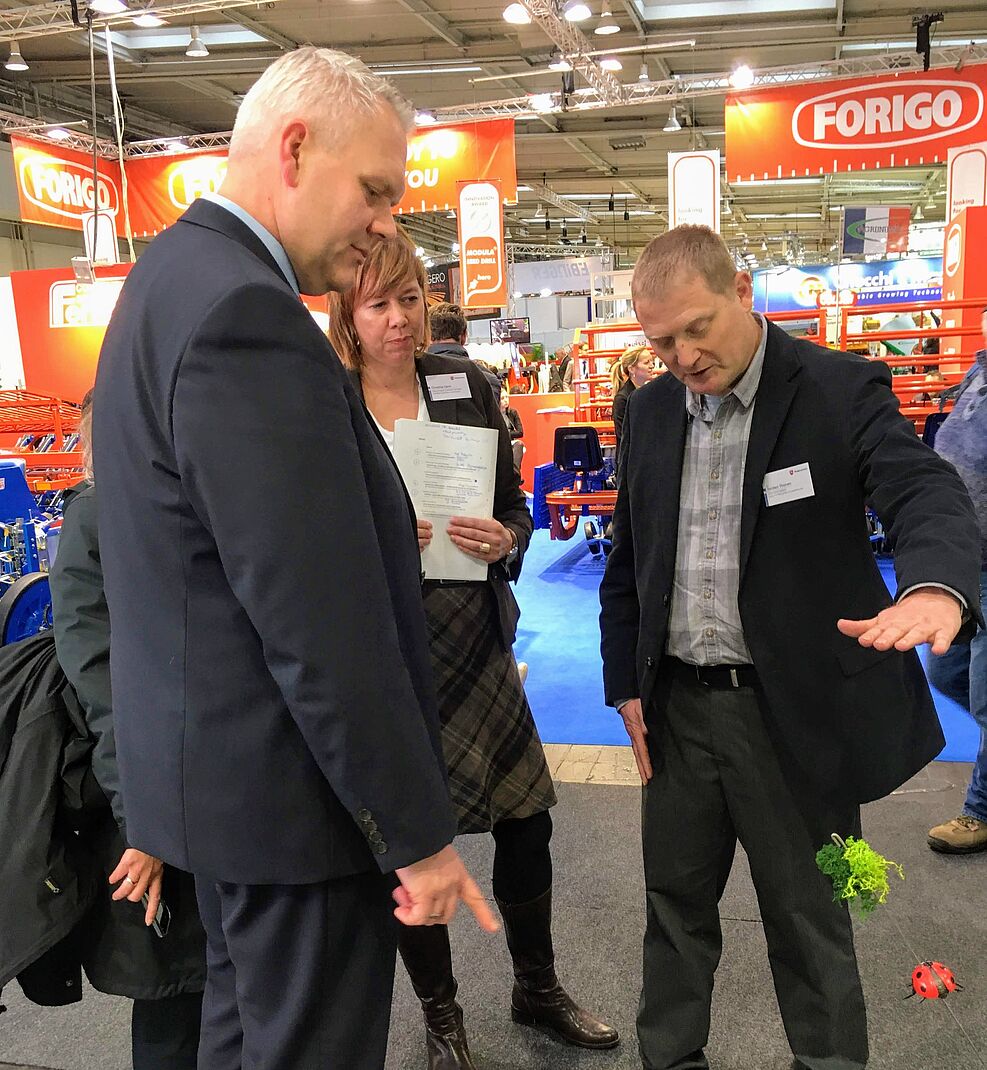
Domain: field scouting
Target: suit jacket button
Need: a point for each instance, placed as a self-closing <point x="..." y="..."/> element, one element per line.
<point x="375" y="836"/>
<point x="371" y="826"/>
<point x="380" y="847"/>
<point x="649" y="662"/>
<point x="665" y="600"/>
<point x="363" y="816"/>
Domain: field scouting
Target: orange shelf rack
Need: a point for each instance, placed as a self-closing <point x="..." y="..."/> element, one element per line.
<point x="26" y="413"/>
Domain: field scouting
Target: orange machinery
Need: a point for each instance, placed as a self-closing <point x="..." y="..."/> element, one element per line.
<point x="25" y="413"/>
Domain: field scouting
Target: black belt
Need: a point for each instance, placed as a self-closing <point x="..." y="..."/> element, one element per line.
<point x="432" y="584"/>
<point x="718" y="677"/>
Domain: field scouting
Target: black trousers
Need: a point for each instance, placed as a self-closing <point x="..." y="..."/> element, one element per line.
<point x="299" y="977"/>
<point x="718" y="778"/>
<point x="165" y="1032"/>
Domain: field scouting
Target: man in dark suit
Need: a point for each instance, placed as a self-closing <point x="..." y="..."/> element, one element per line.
<point x="766" y="681"/>
<point x="273" y="703"/>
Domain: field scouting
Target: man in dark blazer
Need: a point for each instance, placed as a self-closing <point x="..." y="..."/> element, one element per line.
<point x="767" y="681"/>
<point x="272" y="697"/>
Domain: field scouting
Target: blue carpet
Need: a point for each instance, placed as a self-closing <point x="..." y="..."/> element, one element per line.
<point x="559" y="637"/>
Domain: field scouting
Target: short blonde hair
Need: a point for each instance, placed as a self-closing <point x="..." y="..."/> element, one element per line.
<point x="620" y="370"/>
<point x="86" y="437"/>
<point x="333" y="89"/>
<point x="389" y="264"/>
<point x="679" y="254"/>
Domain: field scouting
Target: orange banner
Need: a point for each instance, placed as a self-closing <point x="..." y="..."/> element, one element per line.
<point x="481" y="244"/>
<point x="55" y="185"/>
<point x="854" y="124"/>
<point x="440" y="157"/>
<point x="160" y="188"/>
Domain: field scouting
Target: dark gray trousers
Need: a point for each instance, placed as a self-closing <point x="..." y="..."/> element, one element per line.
<point x="299" y="977"/>
<point x="718" y="779"/>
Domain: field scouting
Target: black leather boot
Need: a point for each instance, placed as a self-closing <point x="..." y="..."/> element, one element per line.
<point x="538" y="1000"/>
<point x="428" y="959"/>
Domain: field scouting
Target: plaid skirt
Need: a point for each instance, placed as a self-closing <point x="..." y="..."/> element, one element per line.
<point x="496" y="763"/>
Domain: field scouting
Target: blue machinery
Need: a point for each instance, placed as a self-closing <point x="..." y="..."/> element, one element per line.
<point x="25" y="605"/>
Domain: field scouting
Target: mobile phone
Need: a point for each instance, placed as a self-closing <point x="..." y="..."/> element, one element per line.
<point x="162" y="917"/>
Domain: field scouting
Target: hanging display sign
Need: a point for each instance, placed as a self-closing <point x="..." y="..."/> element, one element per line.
<point x="440" y="157"/>
<point x="881" y="282"/>
<point x="966" y="179"/>
<point x="875" y="230"/>
<point x="160" y="188"/>
<point x="694" y="188"/>
<point x="481" y="244"/>
<point x="909" y="119"/>
<point x="55" y="185"/>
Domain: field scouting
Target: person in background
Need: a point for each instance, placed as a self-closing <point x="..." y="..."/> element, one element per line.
<point x="498" y="776"/>
<point x="514" y="425"/>
<point x="450" y="330"/>
<point x="632" y="369"/>
<point x="567" y="365"/>
<point x="961" y="673"/>
<point x="123" y="956"/>
<point x="766" y="679"/>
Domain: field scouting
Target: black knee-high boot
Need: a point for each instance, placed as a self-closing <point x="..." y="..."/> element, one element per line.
<point x="538" y="998"/>
<point x="428" y="959"/>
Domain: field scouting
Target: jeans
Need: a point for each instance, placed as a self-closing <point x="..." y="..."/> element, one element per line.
<point x="961" y="674"/>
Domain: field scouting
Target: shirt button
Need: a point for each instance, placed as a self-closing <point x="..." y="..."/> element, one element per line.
<point x="712" y="514"/>
<point x="707" y="594"/>
<point x="649" y="662"/>
<point x="709" y="555"/>
<point x="717" y="435"/>
<point x="710" y="632"/>
<point x="715" y="474"/>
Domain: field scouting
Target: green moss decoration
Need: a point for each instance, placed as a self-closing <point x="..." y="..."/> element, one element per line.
<point x="859" y="874"/>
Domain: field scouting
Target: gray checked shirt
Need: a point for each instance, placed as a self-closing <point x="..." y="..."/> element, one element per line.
<point x="704" y="626"/>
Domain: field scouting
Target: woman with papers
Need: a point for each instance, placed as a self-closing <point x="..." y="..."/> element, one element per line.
<point x="449" y="440"/>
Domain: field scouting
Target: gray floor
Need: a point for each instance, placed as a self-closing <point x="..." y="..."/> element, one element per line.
<point x="939" y="912"/>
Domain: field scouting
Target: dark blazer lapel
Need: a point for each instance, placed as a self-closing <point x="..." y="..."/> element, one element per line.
<point x="213" y="216"/>
<point x="439" y="412"/>
<point x="661" y="426"/>
<point x="779" y="383"/>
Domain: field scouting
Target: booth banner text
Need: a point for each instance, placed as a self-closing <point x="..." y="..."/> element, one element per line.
<point x="481" y="244"/>
<point x="160" y="188"/>
<point x="440" y="157"/>
<point x="875" y="230"/>
<point x="55" y="185"/>
<point x="694" y="188"/>
<point x="964" y="276"/>
<point x="966" y="179"/>
<point x="854" y="124"/>
<point x="574" y="274"/>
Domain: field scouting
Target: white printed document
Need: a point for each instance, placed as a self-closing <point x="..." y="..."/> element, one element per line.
<point x="450" y="470"/>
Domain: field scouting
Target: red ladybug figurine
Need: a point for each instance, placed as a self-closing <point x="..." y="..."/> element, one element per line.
<point x="932" y="980"/>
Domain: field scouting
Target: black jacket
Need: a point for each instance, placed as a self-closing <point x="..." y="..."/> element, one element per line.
<point x="849" y="719"/>
<point x="273" y="698"/>
<point x="620" y="400"/>
<point x="454" y="349"/>
<point x="120" y="954"/>
<point x="513" y="420"/>
<point x="48" y="879"/>
<point x="481" y="410"/>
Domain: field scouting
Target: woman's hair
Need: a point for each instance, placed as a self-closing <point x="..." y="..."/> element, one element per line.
<point x="334" y="92"/>
<point x="620" y="370"/>
<point x="447" y="322"/>
<point x="389" y="264"/>
<point x="86" y="437"/>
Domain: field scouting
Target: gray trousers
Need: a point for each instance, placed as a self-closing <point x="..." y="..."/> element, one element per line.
<point x="718" y="779"/>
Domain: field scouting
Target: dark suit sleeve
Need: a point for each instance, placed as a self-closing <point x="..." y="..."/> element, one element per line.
<point x="269" y="458"/>
<point x="81" y="624"/>
<point x="620" y="612"/>
<point x="619" y="408"/>
<point x="918" y="495"/>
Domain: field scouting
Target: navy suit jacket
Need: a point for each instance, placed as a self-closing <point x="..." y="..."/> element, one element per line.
<point x="272" y="692"/>
<point x="849" y="719"/>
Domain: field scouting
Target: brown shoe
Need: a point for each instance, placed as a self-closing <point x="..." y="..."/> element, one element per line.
<point x="962" y="836"/>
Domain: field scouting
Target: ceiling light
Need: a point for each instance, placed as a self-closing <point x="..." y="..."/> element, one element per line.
<point x="545" y="291"/>
<point x="931" y="203"/>
<point x="576" y="11"/>
<point x="15" y="61"/>
<point x="631" y="141"/>
<point x="196" y="49"/>
<point x="540" y="212"/>
<point x="627" y="216"/>
<point x="608" y="24"/>
<point x="58" y="133"/>
<point x="610" y="202"/>
<point x="764" y="246"/>
<point x="419" y="251"/>
<point x="107" y="7"/>
<point x="917" y="214"/>
<point x="450" y="214"/>
<point x="541" y="102"/>
<point x="583" y="239"/>
<point x="147" y="20"/>
<point x="673" y="123"/>
<point x="727" y="209"/>
<point x="525" y="189"/>
<point x="558" y="62"/>
<point x="742" y="77"/>
<point x="455" y="247"/>
<point x="611" y="63"/>
<point x="548" y="223"/>
<point x="565" y="230"/>
<point x="517" y="15"/>
<point x="507" y="232"/>
<point x="425" y="118"/>
<point x="643" y="75"/>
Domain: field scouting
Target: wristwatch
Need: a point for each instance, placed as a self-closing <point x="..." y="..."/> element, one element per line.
<point x="511" y="556"/>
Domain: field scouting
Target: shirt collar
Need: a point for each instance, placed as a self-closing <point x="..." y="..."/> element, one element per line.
<point x="746" y="389"/>
<point x="273" y="246"/>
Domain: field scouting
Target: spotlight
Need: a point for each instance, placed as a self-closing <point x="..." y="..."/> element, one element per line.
<point x="425" y="118"/>
<point x="196" y="48"/>
<point x="643" y="75"/>
<point x="610" y="202"/>
<point x="565" y="230"/>
<point x="741" y="77"/>
<point x="58" y="133"/>
<point x="917" y="214"/>
<point x="627" y="216"/>
<point x="15" y="61"/>
<point x="576" y="11"/>
<point x="107" y="7"/>
<point x="517" y="14"/>
<point x="673" y="123"/>
<point x="548" y="224"/>
<point x="611" y="63"/>
<point x="147" y="20"/>
<point x="546" y="291"/>
<point x="607" y="23"/>
<point x="541" y="102"/>
<point x="558" y="62"/>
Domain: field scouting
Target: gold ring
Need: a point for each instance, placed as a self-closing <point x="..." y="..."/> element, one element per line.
<point x="484" y="547"/>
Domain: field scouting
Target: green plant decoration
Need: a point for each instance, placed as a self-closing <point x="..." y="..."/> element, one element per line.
<point x="859" y="874"/>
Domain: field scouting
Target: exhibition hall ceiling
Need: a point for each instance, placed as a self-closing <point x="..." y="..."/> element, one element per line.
<point x="454" y="57"/>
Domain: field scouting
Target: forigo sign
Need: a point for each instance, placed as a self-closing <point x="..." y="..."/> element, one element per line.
<point x="854" y="124"/>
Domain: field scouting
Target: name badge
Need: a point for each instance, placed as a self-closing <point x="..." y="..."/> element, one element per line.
<point x="788" y="485"/>
<point x="448" y="387"/>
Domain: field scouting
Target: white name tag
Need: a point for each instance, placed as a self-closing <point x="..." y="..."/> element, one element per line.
<point x="788" y="485"/>
<point x="448" y="387"/>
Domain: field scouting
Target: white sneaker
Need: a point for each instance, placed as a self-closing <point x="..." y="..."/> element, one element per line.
<point x="522" y="671"/>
